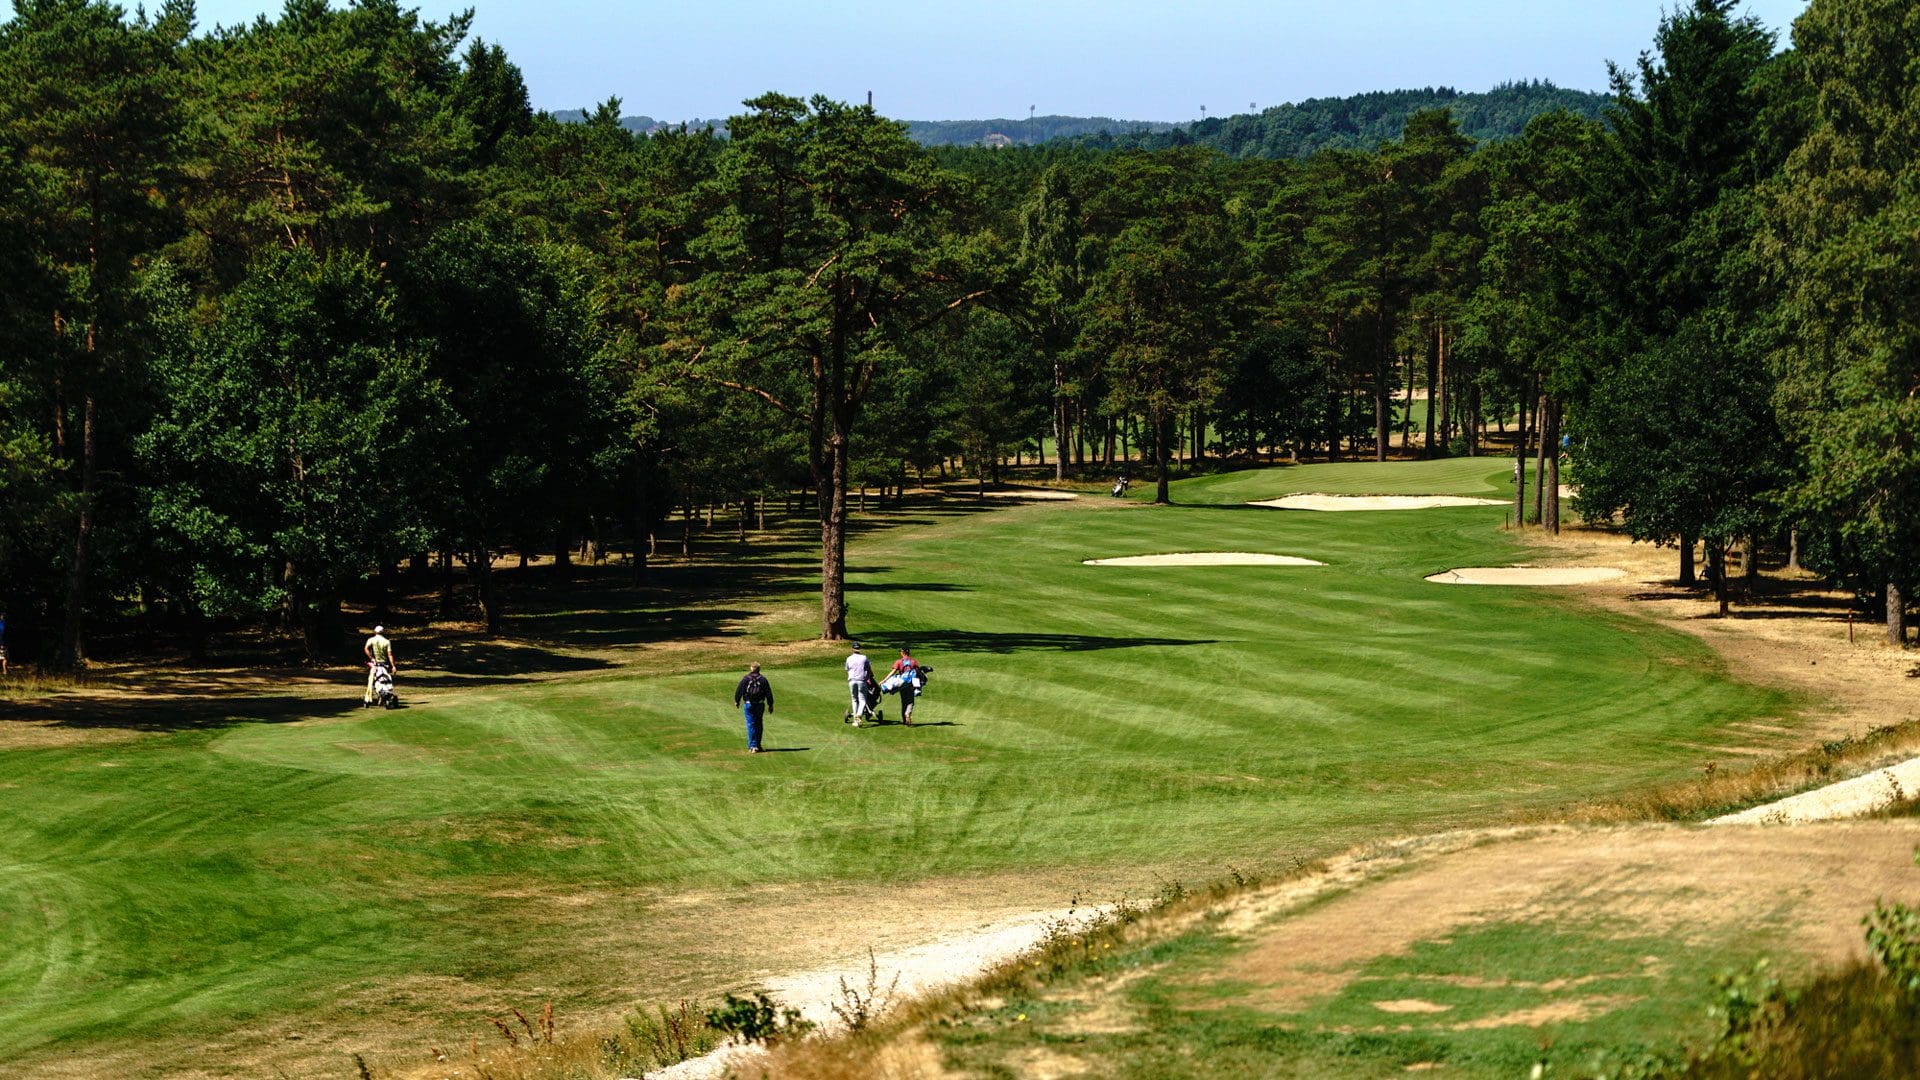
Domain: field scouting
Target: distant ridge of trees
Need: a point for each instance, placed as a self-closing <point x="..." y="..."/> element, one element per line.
<point x="1364" y="121"/>
<point x="1294" y="130"/>
<point x="1032" y="132"/>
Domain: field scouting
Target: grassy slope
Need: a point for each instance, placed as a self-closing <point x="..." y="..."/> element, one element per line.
<point x="1093" y="718"/>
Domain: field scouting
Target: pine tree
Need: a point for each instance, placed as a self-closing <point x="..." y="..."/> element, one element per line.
<point x="1842" y="226"/>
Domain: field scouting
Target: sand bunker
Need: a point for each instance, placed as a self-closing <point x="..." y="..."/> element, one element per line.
<point x="1206" y="558"/>
<point x="1528" y="575"/>
<point x="1030" y="493"/>
<point x="1375" y="502"/>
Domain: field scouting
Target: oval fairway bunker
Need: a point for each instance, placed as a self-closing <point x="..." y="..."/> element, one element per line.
<point x="1205" y="558"/>
<point x="1528" y="575"/>
<point x="1374" y="502"/>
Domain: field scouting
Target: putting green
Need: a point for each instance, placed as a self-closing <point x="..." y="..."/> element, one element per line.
<point x="1081" y="722"/>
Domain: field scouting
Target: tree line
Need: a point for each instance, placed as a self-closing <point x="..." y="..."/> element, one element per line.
<point x="1356" y="122"/>
<point x="298" y="302"/>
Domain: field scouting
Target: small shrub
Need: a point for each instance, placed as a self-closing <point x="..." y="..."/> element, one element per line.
<point x="857" y="1007"/>
<point x="758" y="1019"/>
<point x="1893" y="937"/>
<point x="1751" y="1002"/>
<point x="1854" y="1023"/>
<point x="666" y="1036"/>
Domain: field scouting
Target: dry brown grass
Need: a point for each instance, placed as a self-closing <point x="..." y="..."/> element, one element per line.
<point x="1724" y="789"/>
<point x="519" y="1047"/>
<point x="896" y="1047"/>
<point x="22" y="683"/>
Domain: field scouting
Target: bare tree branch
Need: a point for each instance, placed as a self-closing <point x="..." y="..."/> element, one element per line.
<point x="746" y="389"/>
<point x="823" y="269"/>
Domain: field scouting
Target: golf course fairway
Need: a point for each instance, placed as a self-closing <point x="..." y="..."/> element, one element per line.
<point x="1082" y="724"/>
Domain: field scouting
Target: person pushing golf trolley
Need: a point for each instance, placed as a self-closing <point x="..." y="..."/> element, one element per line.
<point x="863" y="692"/>
<point x="380" y="668"/>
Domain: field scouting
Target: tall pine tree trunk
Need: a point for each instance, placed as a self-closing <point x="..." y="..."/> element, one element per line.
<point x="1161" y="424"/>
<point x="642" y="521"/>
<point x="833" y="530"/>
<point x="1550" y="480"/>
<point x="1687" y="576"/>
<point x="1896" y="615"/>
<point x="1540" y="458"/>
<point x="483" y="587"/>
<point x="1433" y="374"/>
<point x="1380" y="409"/>
<point x="1717" y="570"/>
<point x="1059" y="423"/>
<point x="1520" y="468"/>
<point x="74" y="640"/>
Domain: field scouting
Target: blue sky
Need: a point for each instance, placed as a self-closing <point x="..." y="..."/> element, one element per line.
<point x="991" y="58"/>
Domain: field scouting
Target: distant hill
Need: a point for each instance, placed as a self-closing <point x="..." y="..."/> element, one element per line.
<point x="1364" y="120"/>
<point x="1283" y="131"/>
<point x="1027" y="132"/>
<point x="645" y="125"/>
<point x="945" y="132"/>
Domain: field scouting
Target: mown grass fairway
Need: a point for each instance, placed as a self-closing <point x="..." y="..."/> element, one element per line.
<point x="1088" y="723"/>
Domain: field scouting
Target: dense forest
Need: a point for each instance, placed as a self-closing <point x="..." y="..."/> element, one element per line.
<point x="297" y="306"/>
<point x="1360" y="122"/>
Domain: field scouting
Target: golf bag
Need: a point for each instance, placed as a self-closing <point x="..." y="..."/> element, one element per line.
<point x="917" y="674"/>
<point x="383" y="695"/>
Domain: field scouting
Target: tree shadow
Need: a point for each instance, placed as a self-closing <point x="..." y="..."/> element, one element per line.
<point x="904" y="586"/>
<point x="463" y="661"/>
<point x="978" y="642"/>
<point x="635" y="625"/>
<point x="162" y="714"/>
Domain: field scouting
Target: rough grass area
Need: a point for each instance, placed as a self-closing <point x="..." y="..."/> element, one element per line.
<point x="572" y="816"/>
<point x="1617" y="953"/>
<point x="1487" y="1002"/>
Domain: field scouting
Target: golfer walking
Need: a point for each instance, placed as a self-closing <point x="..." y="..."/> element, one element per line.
<point x="859" y="678"/>
<point x="905" y="668"/>
<point x="754" y="696"/>
<point x="379" y="652"/>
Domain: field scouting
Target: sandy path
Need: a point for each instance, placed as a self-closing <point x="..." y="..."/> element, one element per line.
<point x="1528" y="575"/>
<point x="1206" y="558"/>
<point x="1859" y="796"/>
<point x="1374" y="502"/>
<point x="920" y="969"/>
<point x="1028" y="493"/>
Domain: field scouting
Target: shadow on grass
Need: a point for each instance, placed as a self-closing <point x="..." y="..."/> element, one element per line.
<point x="904" y="586"/>
<point x="971" y="641"/>
<point x="185" y="712"/>
<point x="638" y="624"/>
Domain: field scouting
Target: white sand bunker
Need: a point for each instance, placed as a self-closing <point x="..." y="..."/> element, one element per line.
<point x="1528" y="575"/>
<point x="1030" y="493"/>
<point x="1375" y="502"/>
<point x="1206" y="558"/>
